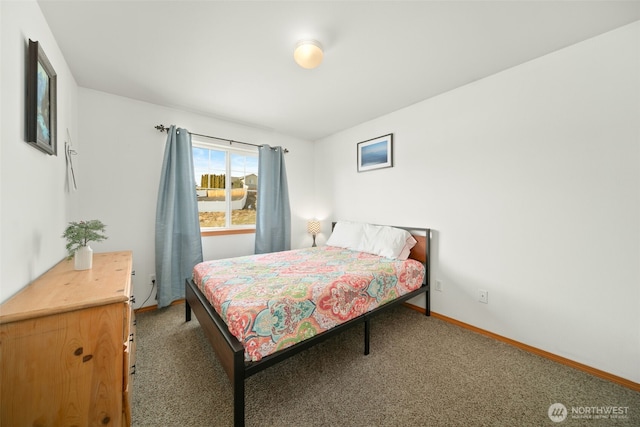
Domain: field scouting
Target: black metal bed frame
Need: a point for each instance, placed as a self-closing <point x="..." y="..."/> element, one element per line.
<point x="230" y="351"/>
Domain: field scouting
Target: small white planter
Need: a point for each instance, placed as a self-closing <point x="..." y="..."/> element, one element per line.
<point x="83" y="259"/>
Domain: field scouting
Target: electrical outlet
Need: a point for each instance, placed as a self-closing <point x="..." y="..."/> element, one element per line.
<point x="152" y="279"/>
<point x="439" y="285"/>
<point x="483" y="296"/>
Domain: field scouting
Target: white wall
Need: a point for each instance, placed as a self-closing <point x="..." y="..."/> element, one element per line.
<point x="119" y="171"/>
<point x="531" y="180"/>
<point x="35" y="202"/>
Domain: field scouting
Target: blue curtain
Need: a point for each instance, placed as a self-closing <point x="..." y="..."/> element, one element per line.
<point x="273" y="215"/>
<point x="178" y="244"/>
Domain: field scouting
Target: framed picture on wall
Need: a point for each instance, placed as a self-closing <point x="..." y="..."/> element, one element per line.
<point x="41" y="100"/>
<point x="376" y="153"/>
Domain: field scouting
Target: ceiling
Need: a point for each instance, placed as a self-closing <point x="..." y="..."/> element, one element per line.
<point x="233" y="60"/>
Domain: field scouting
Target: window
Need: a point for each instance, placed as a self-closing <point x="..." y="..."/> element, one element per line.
<point x="226" y="183"/>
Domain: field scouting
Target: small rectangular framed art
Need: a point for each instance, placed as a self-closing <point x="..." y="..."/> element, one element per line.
<point x="41" y="100"/>
<point x="376" y="153"/>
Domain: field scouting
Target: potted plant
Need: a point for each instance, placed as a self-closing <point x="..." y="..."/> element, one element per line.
<point x="78" y="235"/>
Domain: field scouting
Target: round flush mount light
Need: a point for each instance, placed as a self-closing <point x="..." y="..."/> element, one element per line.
<point x="308" y="53"/>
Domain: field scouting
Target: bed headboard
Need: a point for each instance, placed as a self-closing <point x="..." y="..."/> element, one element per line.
<point x="420" y="251"/>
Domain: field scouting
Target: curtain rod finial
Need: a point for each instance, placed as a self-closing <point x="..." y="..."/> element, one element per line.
<point x="162" y="128"/>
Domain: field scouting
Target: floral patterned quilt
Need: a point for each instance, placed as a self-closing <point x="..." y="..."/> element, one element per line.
<point x="273" y="301"/>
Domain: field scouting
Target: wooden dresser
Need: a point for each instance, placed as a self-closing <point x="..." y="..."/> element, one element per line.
<point x="67" y="349"/>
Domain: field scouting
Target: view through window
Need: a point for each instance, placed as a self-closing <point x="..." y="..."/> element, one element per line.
<point x="226" y="183"/>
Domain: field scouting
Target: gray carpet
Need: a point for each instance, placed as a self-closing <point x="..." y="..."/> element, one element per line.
<point x="421" y="372"/>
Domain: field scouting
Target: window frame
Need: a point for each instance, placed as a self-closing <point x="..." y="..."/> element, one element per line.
<point x="228" y="229"/>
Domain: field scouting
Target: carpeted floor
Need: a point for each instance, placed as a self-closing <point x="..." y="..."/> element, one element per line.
<point x="421" y="372"/>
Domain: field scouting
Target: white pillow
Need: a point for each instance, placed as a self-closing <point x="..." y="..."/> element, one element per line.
<point x="385" y="241"/>
<point x="346" y="235"/>
<point x="381" y="240"/>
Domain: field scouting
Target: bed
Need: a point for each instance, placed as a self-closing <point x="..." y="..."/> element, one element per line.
<point x="236" y="328"/>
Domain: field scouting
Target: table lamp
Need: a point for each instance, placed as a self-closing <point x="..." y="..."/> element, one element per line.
<point x="313" y="227"/>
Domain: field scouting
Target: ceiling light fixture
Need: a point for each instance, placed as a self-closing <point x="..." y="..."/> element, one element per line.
<point x="308" y="53"/>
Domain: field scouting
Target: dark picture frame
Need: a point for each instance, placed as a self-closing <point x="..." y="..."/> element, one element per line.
<point x="41" y="109"/>
<point x="375" y="153"/>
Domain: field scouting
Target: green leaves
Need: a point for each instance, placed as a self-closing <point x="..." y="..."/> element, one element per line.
<point x="81" y="233"/>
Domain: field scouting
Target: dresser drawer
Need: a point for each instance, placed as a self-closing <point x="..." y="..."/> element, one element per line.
<point x="59" y="369"/>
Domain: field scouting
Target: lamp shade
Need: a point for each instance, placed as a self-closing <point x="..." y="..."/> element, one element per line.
<point x="313" y="227"/>
<point x="308" y="53"/>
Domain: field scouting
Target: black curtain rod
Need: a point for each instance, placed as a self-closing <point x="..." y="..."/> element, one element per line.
<point x="163" y="128"/>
